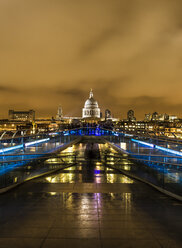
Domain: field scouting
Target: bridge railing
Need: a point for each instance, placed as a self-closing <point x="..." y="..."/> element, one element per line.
<point x="28" y="167"/>
<point x="113" y="136"/>
<point x="32" y="159"/>
<point x="159" y="168"/>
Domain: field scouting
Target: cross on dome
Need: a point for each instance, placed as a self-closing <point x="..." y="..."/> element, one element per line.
<point x="91" y="94"/>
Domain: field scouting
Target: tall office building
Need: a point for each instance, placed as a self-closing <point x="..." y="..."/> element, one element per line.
<point x="131" y="115"/>
<point x="108" y="114"/>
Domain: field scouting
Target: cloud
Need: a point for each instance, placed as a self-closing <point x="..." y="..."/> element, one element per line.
<point x="129" y="52"/>
<point x="8" y="89"/>
<point x="98" y="41"/>
<point x="73" y="92"/>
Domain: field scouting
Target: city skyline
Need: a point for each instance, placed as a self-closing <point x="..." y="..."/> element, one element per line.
<point x="53" y="52"/>
<point x="93" y="111"/>
<point x="120" y="116"/>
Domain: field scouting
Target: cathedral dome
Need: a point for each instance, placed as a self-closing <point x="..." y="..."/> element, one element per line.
<point x="91" y="103"/>
<point x="91" y="108"/>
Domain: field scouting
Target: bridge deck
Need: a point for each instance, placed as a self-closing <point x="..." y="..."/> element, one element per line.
<point x="81" y="207"/>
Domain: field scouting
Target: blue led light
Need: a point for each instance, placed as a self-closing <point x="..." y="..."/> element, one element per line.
<point x="97" y="171"/>
<point x="8" y="149"/>
<point x="53" y="133"/>
<point x="143" y="143"/>
<point x="11" y="167"/>
<point x="36" y="142"/>
<point x="158" y="147"/>
<point x="168" y="150"/>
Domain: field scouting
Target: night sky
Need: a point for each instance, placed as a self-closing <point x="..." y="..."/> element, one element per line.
<point x="128" y="51"/>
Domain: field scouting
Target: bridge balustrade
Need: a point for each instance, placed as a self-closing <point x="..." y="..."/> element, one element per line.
<point x="150" y="163"/>
<point x="155" y="166"/>
<point x="28" y="159"/>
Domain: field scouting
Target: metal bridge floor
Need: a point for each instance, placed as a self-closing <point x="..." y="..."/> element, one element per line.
<point x="49" y="213"/>
<point x="86" y="188"/>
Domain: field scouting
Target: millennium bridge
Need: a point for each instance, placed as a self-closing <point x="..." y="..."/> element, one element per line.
<point x="90" y="187"/>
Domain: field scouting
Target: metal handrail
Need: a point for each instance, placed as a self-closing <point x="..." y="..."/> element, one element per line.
<point x="42" y="156"/>
<point x="3" y="135"/>
<point x="152" y="161"/>
<point x="31" y="154"/>
<point x="151" y="155"/>
<point x="22" y="160"/>
<point x="89" y="128"/>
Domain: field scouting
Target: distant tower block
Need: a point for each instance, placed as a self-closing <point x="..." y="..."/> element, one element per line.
<point x="131" y="115"/>
<point x="108" y="114"/>
<point x="59" y="115"/>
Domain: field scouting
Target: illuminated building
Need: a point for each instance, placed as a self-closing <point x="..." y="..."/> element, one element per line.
<point x="91" y="108"/>
<point x="173" y="118"/>
<point x="59" y="115"/>
<point x="22" y="115"/>
<point x="130" y="115"/>
<point x="7" y="125"/>
<point x="160" y="117"/>
<point x="155" y="116"/>
<point x="53" y="125"/>
<point x="108" y="114"/>
<point x="148" y="117"/>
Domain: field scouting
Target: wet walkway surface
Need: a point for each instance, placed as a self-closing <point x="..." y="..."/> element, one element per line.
<point x="88" y="206"/>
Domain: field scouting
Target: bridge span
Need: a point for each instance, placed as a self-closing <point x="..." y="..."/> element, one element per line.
<point x="90" y="188"/>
